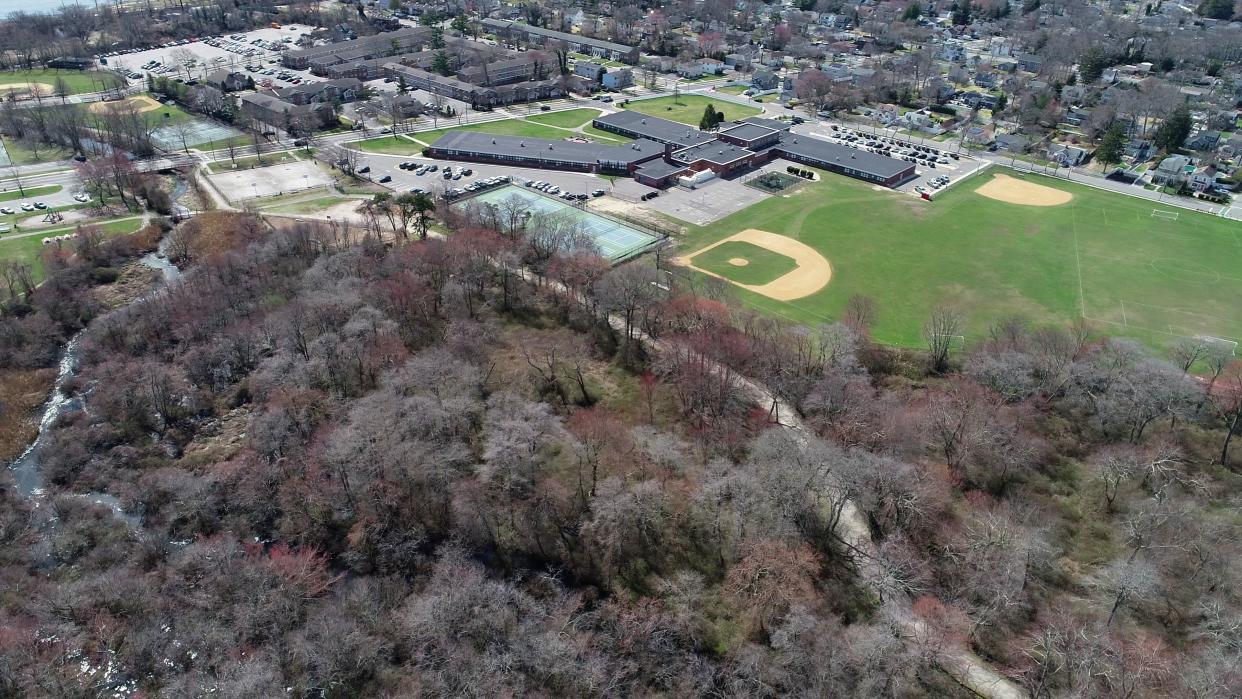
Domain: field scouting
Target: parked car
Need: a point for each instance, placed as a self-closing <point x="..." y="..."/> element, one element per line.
<point x="385" y="178"/>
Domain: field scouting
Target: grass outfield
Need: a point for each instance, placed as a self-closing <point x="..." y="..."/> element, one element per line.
<point x="762" y="265"/>
<point x="688" y="109"/>
<point x="76" y="80"/>
<point x="27" y="248"/>
<point x="1102" y="256"/>
<point x="31" y="192"/>
<point x="568" y="119"/>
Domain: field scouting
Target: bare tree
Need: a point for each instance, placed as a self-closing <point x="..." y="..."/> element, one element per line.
<point x="940" y="331"/>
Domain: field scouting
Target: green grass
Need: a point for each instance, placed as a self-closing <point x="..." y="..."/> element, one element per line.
<point x="762" y="265"/>
<point x="29" y="248"/>
<point x="391" y="145"/>
<point x="30" y="192"/>
<point x="604" y="136"/>
<point x="601" y="61"/>
<point x="530" y="128"/>
<point x="77" y="81"/>
<point x="1101" y="256"/>
<point x="226" y="165"/>
<point x="732" y="89"/>
<point x="568" y="119"/>
<point x="308" y="206"/>
<point x="688" y="109"/>
<point x="21" y="154"/>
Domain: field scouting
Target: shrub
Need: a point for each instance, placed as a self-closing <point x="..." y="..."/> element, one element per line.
<point x="104" y="275"/>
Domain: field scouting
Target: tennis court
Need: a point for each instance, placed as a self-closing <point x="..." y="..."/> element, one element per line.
<point x="196" y="132"/>
<point x="616" y="241"/>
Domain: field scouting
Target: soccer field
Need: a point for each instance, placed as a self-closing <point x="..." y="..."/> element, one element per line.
<point x="1100" y="255"/>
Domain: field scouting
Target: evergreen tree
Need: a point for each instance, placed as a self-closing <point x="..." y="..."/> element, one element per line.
<point x="1092" y="63"/>
<point x="912" y="12"/>
<point x="437" y="38"/>
<point x="1216" y="9"/>
<point x="1113" y="145"/>
<point x="961" y="12"/>
<point x="440" y="63"/>
<point x="1174" y="131"/>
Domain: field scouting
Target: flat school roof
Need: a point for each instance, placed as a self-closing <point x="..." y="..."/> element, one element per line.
<point x="843" y="156"/>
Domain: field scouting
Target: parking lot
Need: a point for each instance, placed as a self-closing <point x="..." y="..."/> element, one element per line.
<point x="192" y="60"/>
<point x="434" y="182"/>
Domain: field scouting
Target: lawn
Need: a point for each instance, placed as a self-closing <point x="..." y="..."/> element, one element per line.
<point x="732" y="89"/>
<point x="309" y="206"/>
<point x="28" y="248"/>
<point x="390" y="145"/>
<point x="762" y="266"/>
<point x="688" y="109"/>
<point x="604" y="136"/>
<point x="1101" y="256"/>
<point x="30" y="192"/>
<point x="77" y="81"/>
<point x="568" y="119"/>
<point x="21" y="154"/>
<point x="226" y="165"/>
<point x="397" y="145"/>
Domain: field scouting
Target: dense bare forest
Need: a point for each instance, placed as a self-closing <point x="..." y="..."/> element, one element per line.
<point x="477" y="465"/>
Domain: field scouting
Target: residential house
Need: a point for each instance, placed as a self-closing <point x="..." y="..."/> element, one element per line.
<point x="737" y="61"/>
<point x="589" y="70"/>
<point x="765" y="80"/>
<point x="1067" y="155"/>
<point x="229" y="80"/>
<point x="329" y="91"/>
<point x="1204" y="141"/>
<point x="618" y="79"/>
<point x="280" y="114"/>
<point x="1029" y="62"/>
<point x="1012" y="142"/>
<point x="1171" y="170"/>
<point x="1203" y="179"/>
<point x="1138" y="150"/>
<point x="517" y="31"/>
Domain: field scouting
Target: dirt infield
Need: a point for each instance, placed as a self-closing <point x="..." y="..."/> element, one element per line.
<point x="142" y="102"/>
<point x="1014" y="191"/>
<point x="812" y="273"/>
<point x="24" y="88"/>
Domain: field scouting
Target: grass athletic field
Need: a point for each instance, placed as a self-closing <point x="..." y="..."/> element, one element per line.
<point x="76" y="80"/>
<point x="688" y="109"/>
<point x="1100" y="255"/>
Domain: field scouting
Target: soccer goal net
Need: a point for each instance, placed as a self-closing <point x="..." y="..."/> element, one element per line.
<point x="1230" y="346"/>
<point x="1167" y="215"/>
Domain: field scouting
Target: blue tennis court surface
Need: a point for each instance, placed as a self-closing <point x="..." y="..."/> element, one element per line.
<point x="616" y="241"/>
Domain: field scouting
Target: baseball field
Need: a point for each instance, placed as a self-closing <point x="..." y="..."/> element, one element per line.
<point x="997" y="244"/>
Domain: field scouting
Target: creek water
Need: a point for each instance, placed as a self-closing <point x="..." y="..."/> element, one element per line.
<point x="27" y="474"/>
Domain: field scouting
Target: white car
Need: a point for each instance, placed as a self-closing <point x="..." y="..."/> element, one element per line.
<point x="27" y="207"/>
<point x="6" y="211"/>
<point x="82" y="197"/>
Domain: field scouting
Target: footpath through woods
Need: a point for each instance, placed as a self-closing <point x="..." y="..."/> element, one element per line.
<point x="851" y="529"/>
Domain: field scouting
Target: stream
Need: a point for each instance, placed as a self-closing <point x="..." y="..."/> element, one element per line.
<point x="27" y="476"/>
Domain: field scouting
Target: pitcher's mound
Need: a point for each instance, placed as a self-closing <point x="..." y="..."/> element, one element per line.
<point x="738" y="261"/>
<point x="1014" y="191"/>
<point x="812" y="273"/>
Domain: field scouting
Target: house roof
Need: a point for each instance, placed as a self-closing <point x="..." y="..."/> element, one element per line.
<point x="503" y="25"/>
